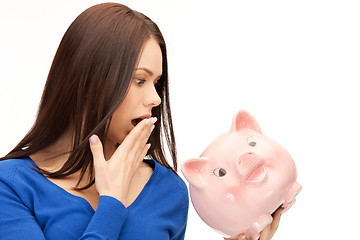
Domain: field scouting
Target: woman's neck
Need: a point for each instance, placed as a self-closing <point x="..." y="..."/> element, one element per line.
<point x="53" y="157"/>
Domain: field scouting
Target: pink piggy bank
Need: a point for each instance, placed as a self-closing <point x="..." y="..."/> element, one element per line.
<point x="240" y="179"/>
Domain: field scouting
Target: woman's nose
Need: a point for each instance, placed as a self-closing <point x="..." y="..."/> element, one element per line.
<point x="152" y="99"/>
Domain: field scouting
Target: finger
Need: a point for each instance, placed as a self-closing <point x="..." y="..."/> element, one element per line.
<point x="140" y="130"/>
<point x="143" y="154"/>
<point x="138" y="153"/>
<point x="270" y="229"/>
<point x="145" y="134"/>
<point x="141" y="145"/>
<point x="266" y="233"/>
<point x="276" y="220"/>
<point x="96" y="150"/>
<point x="137" y="138"/>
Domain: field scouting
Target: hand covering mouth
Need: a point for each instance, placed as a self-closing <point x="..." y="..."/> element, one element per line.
<point x="136" y="121"/>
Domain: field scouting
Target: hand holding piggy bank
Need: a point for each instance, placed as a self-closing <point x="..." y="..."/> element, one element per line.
<point x="240" y="179"/>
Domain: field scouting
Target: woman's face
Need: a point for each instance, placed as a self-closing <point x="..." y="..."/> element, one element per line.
<point x="142" y="95"/>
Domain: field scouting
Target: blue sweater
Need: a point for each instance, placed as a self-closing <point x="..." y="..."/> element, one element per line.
<point x="34" y="208"/>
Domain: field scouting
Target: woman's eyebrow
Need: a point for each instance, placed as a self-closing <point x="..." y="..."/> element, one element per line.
<point x="146" y="70"/>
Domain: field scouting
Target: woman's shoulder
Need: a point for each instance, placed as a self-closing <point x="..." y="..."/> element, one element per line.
<point x="168" y="177"/>
<point x="9" y="168"/>
<point x="168" y="187"/>
<point x="15" y="163"/>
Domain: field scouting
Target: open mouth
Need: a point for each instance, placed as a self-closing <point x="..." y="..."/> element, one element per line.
<point x="136" y="121"/>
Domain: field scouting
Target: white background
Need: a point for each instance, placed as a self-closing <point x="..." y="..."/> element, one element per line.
<point x="293" y="64"/>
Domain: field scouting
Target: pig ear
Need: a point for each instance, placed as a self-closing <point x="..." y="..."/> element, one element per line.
<point x="244" y="120"/>
<point x="193" y="170"/>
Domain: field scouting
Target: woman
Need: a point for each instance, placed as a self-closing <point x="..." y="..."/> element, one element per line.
<point x="105" y="106"/>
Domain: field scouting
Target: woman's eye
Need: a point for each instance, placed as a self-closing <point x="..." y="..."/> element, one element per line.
<point x="219" y="172"/>
<point x="139" y="81"/>
<point x="251" y="141"/>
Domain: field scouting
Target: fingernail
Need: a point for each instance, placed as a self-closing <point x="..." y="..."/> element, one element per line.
<point x="148" y="146"/>
<point x="93" y="139"/>
<point x="153" y="120"/>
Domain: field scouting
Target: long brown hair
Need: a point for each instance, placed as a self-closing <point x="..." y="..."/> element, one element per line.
<point x="88" y="80"/>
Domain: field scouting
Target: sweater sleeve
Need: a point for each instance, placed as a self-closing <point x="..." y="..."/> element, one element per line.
<point x="182" y="206"/>
<point x="107" y="221"/>
<point x="17" y="221"/>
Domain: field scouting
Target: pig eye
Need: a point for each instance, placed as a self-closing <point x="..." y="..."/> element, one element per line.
<point x="251" y="141"/>
<point x="219" y="172"/>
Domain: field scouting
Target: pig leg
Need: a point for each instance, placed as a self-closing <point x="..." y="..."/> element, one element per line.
<point x="252" y="235"/>
<point x="290" y="196"/>
<point x="254" y="232"/>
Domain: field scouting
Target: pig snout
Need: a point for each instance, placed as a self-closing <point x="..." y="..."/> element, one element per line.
<point x="250" y="166"/>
